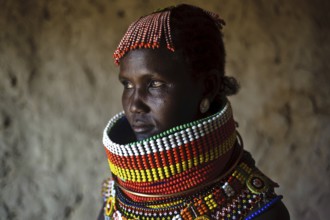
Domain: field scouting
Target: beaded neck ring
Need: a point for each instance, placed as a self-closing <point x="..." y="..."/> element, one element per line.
<point x="233" y="197"/>
<point x="175" y="160"/>
<point x="149" y="30"/>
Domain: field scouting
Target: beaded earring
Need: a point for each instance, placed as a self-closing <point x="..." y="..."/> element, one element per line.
<point x="205" y="105"/>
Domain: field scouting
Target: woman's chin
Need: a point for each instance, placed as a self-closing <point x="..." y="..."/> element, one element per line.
<point x="142" y="136"/>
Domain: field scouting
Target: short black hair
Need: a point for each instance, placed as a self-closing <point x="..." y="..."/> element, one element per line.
<point x="198" y="35"/>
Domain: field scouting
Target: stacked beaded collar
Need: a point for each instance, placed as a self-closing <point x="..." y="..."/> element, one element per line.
<point x="172" y="161"/>
<point x="232" y="197"/>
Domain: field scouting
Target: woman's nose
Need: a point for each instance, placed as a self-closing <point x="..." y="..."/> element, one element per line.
<point x="138" y="103"/>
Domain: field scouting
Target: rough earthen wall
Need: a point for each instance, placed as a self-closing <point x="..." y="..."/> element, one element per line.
<point x="58" y="88"/>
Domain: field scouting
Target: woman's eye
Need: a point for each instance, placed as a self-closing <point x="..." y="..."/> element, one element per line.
<point x="156" y="84"/>
<point x="127" y="85"/>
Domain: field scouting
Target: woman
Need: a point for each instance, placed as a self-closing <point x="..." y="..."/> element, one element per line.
<point x="174" y="152"/>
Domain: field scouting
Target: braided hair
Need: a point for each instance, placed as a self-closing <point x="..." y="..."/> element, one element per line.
<point x="193" y="31"/>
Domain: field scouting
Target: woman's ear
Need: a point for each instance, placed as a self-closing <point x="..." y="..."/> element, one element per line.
<point x="211" y="84"/>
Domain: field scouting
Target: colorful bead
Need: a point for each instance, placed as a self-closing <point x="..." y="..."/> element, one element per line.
<point x="264" y="208"/>
<point x="179" y="155"/>
<point x="179" y="160"/>
<point x="146" y="32"/>
<point x="230" y="198"/>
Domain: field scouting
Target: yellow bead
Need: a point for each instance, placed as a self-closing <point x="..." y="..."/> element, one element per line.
<point x="178" y="168"/>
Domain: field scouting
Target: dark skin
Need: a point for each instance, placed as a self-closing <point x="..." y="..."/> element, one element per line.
<point x="160" y="93"/>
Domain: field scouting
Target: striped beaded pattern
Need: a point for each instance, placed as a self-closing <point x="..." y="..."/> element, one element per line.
<point x="146" y="32"/>
<point x="228" y="199"/>
<point x="174" y="152"/>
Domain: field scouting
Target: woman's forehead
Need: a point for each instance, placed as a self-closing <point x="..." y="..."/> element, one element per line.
<point x="153" y="61"/>
<point x="152" y="58"/>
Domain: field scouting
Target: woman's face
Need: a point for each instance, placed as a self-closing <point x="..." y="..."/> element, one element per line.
<point x="159" y="91"/>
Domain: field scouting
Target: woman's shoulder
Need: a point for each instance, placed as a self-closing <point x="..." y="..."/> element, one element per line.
<point x="277" y="212"/>
<point x="270" y="205"/>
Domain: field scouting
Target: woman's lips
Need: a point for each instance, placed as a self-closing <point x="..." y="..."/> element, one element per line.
<point x="141" y="128"/>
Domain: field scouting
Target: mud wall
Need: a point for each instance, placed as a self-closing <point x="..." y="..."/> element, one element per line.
<point x="58" y="88"/>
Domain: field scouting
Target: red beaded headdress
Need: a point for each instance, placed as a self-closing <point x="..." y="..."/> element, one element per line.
<point x="147" y="32"/>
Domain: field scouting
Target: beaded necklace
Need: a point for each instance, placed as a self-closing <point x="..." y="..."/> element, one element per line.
<point x="187" y="154"/>
<point x="173" y="175"/>
<point x="233" y="197"/>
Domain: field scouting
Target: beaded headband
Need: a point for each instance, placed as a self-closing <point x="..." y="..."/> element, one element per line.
<point x="148" y="30"/>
